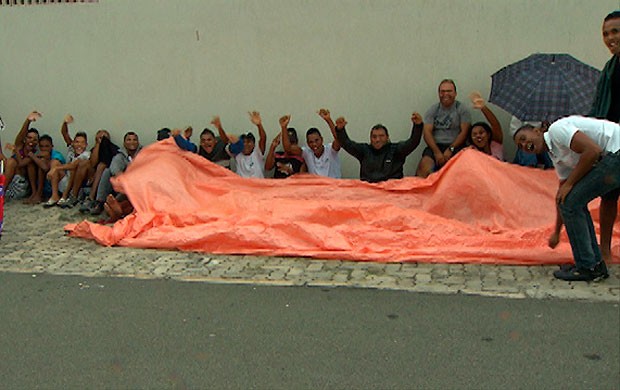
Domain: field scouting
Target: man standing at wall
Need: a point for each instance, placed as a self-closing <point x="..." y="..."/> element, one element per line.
<point x="607" y="106"/>
<point x="445" y="129"/>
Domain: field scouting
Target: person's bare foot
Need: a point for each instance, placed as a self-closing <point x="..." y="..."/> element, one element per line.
<point x="112" y="208"/>
<point x="32" y="199"/>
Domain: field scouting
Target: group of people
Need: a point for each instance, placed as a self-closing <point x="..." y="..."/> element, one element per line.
<point x="584" y="150"/>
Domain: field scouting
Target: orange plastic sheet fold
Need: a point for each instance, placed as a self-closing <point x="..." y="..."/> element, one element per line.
<point x="475" y="210"/>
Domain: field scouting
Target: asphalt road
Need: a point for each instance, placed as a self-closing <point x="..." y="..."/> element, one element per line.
<point x="75" y="332"/>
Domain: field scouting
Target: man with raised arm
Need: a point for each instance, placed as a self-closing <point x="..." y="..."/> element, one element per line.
<point x="381" y="159"/>
<point x="321" y="159"/>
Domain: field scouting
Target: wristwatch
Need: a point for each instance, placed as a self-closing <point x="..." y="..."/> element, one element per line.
<point x="451" y="149"/>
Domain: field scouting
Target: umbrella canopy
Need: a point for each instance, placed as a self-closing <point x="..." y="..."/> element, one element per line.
<point x="545" y="87"/>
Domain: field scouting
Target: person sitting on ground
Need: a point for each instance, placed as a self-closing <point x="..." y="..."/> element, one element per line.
<point x="250" y="160"/>
<point x="118" y="205"/>
<point x="381" y="159"/>
<point x="586" y="154"/>
<point x="118" y="165"/>
<point x="20" y="171"/>
<point x="46" y="158"/>
<point x="181" y="138"/>
<point x="540" y="160"/>
<point x="214" y="148"/>
<point x="445" y="129"/>
<point x="100" y="157"/>
<point x="62" y="175"/>
<point x="285" y="164"/>
<point x="482" y="137"/>
<point x="320" y="159"/>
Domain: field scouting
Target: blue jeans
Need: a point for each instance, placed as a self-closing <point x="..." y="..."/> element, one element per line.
<point x="602" y="179"/>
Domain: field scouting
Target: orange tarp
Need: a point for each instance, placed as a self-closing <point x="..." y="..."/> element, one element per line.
<point x="475" y="210"/>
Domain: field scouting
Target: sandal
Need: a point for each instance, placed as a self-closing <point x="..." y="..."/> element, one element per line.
<point x="50" y="203"/>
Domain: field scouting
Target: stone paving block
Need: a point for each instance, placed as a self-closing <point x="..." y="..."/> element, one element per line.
<point x="340" y="278"/>
<point x="314" y="267"/>
<point x="295" y="271"/>
<point x="423" y="279"/>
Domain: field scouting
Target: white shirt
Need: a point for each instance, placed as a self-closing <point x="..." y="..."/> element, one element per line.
<point x="328" y="164"/>
<point x="604" y="133"/>
<point x="252" y="165"/>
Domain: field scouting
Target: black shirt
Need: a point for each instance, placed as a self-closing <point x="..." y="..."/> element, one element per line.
<point x="614" y="108"/>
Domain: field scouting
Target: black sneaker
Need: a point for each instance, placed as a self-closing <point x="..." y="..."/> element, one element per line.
<point x="86" y="205"/>
<point x="69" y="203"/>
<point x="574" y="273"/>
<point x="97" y="208"/>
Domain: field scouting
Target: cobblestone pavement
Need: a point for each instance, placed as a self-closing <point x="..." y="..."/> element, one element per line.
<point x="33" y="241"/>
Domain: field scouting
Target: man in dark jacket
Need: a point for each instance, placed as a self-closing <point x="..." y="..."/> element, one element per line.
<point x="381" y="159"/>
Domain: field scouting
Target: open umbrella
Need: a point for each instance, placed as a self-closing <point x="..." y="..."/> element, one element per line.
<point x="545" y="87"/>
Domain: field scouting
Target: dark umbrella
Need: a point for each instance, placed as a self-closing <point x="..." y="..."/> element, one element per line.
<point x="545" y="87"/>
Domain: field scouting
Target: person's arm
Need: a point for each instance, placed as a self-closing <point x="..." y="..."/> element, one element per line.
<point x="324" y="113"/>
<point x="42" y="160"/>
<point x="68" y="166"/>
<point x="218" y="125"/>
<point x="286" y="142"/>
<point x="64" y="129"/>
<point x="94" y="154"/>
<point x="270" y="161"/>
<point x="427" y="132"/>
<point x="496" y="127"/>
<point x="22" y="161"/>
<point x="355" y="149"/>
<point x="589" y="154"/>
<point x="406" y="147"/>
<point x="118" y="164"/>
<point x="21" y="135"/>
<point x="554" y="239"/>
<point x="182" y="142"/>
<point x="262" y="137"/>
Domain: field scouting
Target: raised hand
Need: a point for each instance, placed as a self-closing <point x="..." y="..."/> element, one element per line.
<point x="216" y="122"/>
<point x="175" y="132"/>
<point x="285" y="120"/>
<point x="416" y="118"/>
<point x="276" y="141"/>
<point x="255" y="118"/>
<point x="68" y="118"/>
<point x="341" y="123"/>
<point x="324" y="113"/>
<point x="477" y="100"/>
<point x="33" y="116"/>
<point x="188" y="132"/>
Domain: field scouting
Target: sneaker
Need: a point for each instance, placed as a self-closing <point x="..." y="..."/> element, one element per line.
<point x="70" y="202"/>
<point x="61" y="202"/>
<point x="97" y="208"/>
<point x="86" y="205"/>
<point x="575" y="273"/>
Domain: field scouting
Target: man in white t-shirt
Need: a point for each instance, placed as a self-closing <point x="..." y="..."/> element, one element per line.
<point x="586" y="155"/>
<point x="251" y="160"/>
<point x="321" y="159"/>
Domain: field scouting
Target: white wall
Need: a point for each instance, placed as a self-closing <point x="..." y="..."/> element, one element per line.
<point x="145" y="64"/>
